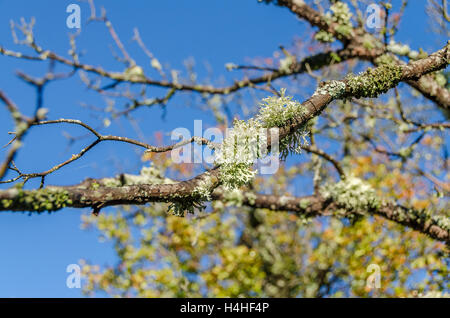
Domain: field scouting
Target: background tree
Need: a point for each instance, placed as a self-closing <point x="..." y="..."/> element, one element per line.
<point x="364" y="176"/>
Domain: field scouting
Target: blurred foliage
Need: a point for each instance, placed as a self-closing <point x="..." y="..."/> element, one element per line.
<point x="236" y="251"/>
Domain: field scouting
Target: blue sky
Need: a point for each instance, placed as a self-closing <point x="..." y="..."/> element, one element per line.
<point x="35" y="250"/>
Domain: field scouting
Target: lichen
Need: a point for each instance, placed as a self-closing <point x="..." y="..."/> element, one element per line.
<point x="404" y="50"/>
<point x="434" y="294"/>
<point x="368" y="44"/>
<point x="244" y="143"/>
<point x="335" y="89"/>
<point x="230" y="66"/>
<point x="134" y="72"/>
<point x="235" y="175"/>
<point x="251" y="197"/>
<point x="179" y="208"/>
<point x="203" y="190"/>
<point x="440" y="78"/>
<point x="402" y="214"/>
<point x="373" y="82"/>
<point x="247" y="140"/>
<point x="385" y="59"/>
<point x="304" y="203"/>
<point x="238" y="151"/>
<point x="148" y="175"/>
<point x="37" y="200"/>
<point x="234" y="197"/>
<point x="284" y="200"/>
<point x="324" y="37"/>
<point x="341" y="15"/>
<point x="352" y="194"/>
<point x="441" y="221"/>
<point x="286" y="63"/>
<point x="278" y="111"/>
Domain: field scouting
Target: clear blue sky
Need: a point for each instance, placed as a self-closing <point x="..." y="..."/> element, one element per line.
<point x="35" y="250"/>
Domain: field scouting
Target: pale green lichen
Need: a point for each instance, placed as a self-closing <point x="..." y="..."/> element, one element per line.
<point x="336" y="89"/>
<point x="134" y="72"/>
<point x="440" y="78"/>
<point x="324" y="37"/>
<point x="180" y="204"/>
<point x="304" y="203"/>
<point x="251" y="197"/>
<point x="244" y="143"/>
<point x="95" y="186"/>
<point x="37" y="200"/>
<point x="352" y="194"/>
<point x="403" y="50"/>
<point x="204" y="188"/>
<point x="234" y="197"/>
<point x="278" y="111"/>
<point x="247" y="141"/>
<point x="236" y="175"/>
<point x="341" y="15"/>
<point x="230" y="66"/>
<point x="408" y="215"/>
<point x="373" y="82"/>
<point x="238" y="151"/>
<point x="368" y="44"/>
<point x="179" y="208"/>
<point x="148" y="175"/>
<point x="284" y="200"/>
<point x="286" y="63"/>
<point x="442" y="221"/>
<point x="385" y="59"/>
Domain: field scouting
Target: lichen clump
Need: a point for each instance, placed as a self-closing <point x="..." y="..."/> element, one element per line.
<point x="37" y="200"/>
<point x="403" y="50"/>
<point x="179" y="208"/>
<point x="422" y="217"/>
<point x="148" y="175"/>
<point x="238" y="151"/>
<point x="204" y="189"/>
<point x="278" y="111"/>
<point x="234" y="197"/>
<point x="352" y="194"/>
<point x="373" y="82"/>
<point x="341" y="15"/>
<point x="335" y="89"/>
<point x="247" y="141"/>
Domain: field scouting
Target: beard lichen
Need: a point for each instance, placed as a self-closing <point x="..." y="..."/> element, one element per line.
<point x="179" y="208"/>
<point x="195" y="200"/>
<point x="247" y="141"/>
<point x="233" y="176"/>
<point x="243" y="144"/>
<point x="238" y="151"/>
<point x="279" y="111"/>
<point x="276" y="111"/>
